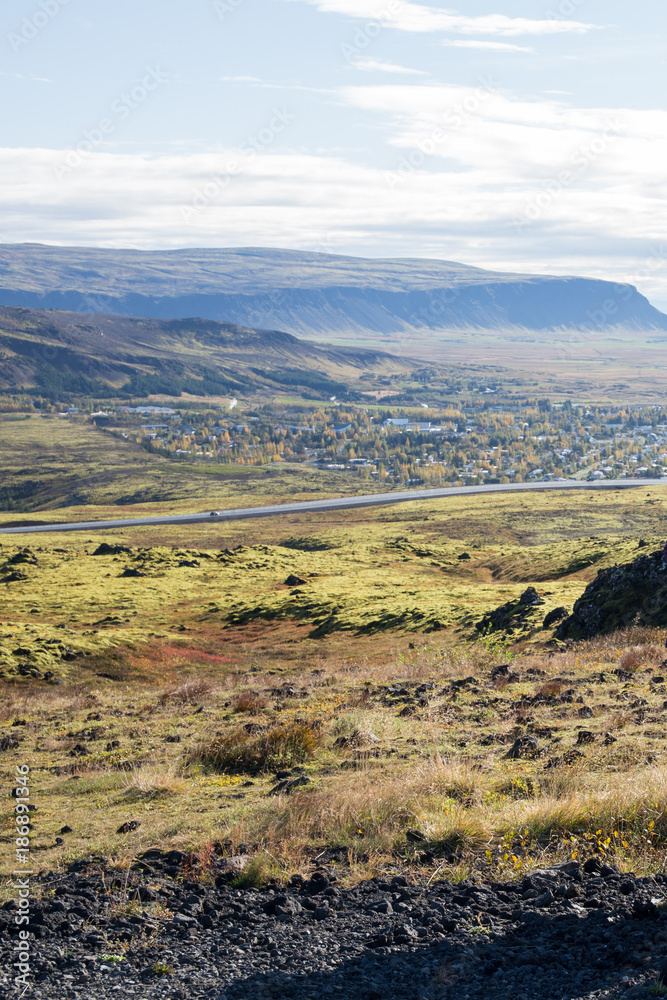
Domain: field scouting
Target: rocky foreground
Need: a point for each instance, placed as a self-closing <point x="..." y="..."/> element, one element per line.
<point x="563" y="932"/>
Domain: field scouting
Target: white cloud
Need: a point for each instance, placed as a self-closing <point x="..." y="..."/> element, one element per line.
<point x="239" y="79"/>
<point x="31" y="79"/>
<point x="407" y="16"/>
<point x="478" y="44"/>
<point x="479" y="176"/>
<point x="259" y="84"/>
<point x="377" y="65"/>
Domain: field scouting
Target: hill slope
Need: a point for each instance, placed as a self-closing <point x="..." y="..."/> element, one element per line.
<point x="311" y="294"/>
<point x="101" y="354"/>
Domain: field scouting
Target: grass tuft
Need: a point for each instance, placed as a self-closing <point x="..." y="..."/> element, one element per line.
<point x="238" y="752"/>
<point x="151" y="782"/>
<point x="642" y="656"/>
<point x="250" y="702"/>
<point x="255" y="875"/>
<point x="190" y="693"/>
<point x="161" y="969"/>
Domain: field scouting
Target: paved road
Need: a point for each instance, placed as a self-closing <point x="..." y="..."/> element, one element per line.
<point x="342" y="503"/>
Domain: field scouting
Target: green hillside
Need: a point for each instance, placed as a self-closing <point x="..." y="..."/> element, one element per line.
<point x="59" y="352"/>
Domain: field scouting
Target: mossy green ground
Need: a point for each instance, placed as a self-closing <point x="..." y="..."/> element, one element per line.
<point x="386" y="602"/>
<point x="380" y="570"/>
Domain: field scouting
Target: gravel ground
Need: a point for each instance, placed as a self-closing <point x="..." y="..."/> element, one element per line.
<point x="563" y="933"/>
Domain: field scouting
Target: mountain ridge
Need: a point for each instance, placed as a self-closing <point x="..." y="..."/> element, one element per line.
<point x="103" y="354"/>
<point x="313" y="294"/>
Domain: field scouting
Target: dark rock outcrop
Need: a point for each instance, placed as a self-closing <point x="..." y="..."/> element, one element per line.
<point x="105" y="549"/>
<point x="554" y="616"/>
<point x="514" y="616"/>
<point x="25" y="556"/>
<point x="628" y="594"/>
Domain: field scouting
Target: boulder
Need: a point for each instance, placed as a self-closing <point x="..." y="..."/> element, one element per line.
<point x="525" y="746"/>
<point x="515" y="616"/>
<point x="555" y="616"/>
<point x="632" y="593"/>
<point x="129" y="827"/>
<point x="24" y="557"/>
<point x="530" y="597"/>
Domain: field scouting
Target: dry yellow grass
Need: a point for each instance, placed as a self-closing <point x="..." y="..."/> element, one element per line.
<point x="573" y="815"/>
<point x="413" y="731"/>
<point x="376" y="772"/>
<point x="149" y="782"/>
<point x="193" y="692"/>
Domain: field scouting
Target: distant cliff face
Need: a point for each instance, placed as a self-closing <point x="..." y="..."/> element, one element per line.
<point x="312" y="294"/>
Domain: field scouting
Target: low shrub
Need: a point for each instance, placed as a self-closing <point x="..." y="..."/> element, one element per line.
<point x="641" y="656"/>
<point x="240" y="752"/>
<point x="190" y="693"/>
<point x="250" y="702"/>
<point x="551" y="688"/>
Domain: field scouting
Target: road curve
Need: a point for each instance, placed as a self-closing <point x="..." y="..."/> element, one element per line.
<point x="340" y="503"/>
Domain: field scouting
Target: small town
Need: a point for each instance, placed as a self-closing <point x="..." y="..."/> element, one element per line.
<point x="464" y="444"/>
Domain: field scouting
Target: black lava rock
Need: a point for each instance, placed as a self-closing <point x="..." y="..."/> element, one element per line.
<point x="633" y="593"/>
<point x="525" y="746"/>
<point x="106" y="549"/>
<point x="555" y="616"/>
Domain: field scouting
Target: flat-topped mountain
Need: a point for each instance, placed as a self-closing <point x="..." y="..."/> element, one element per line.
<point x="312" y="294"/>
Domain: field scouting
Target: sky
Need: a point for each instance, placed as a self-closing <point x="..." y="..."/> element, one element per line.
<point x="519" y="136"/>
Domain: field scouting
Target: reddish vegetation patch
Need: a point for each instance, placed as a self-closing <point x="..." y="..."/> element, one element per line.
<point x="216" y="653"/>
<point x="192" y="653"/>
